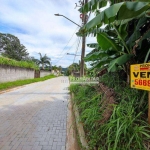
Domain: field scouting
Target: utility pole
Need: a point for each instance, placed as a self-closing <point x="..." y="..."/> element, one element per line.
<point x="84" y="21"/>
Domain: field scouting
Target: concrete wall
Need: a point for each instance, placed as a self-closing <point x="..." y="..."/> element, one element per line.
<point x="44" y="73"/>
<point x="56" y="72"/>
<point x="10" y="73"/>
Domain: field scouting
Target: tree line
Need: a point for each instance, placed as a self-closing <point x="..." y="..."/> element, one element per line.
<point x="11" y="47"/>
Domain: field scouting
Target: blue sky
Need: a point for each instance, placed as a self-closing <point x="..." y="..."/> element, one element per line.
<point x="34" y="23"/>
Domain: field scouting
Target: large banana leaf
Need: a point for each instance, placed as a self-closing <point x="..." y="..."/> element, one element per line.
<point x="92" y="32"/>
<point x="95" y="56"/>
<point x="123" y="31"/>
<point x="95" y="31"/>
<point x="136" y="34"/>
<point x="119" y="11"/>
<point x="102" y="63"/>
<point x="93" y="45"/>
<point x="92" y="51"/>
<point x="93" y="5"/>
<point x="113" y="65"/>
<point x="97" y="4"/>
<point x="106" y="43"/>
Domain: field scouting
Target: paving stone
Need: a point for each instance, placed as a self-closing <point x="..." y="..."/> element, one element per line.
<point x="46" y="147"/>
<point x="34" y="117"/>
<point x="43" y="143"/>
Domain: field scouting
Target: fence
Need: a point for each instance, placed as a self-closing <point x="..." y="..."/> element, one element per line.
<point x="11" y="73"/>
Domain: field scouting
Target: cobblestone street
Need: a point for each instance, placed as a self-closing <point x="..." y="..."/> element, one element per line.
<point x="33" y="117"/>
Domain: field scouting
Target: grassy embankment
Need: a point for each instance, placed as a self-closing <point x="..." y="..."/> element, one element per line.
<point x="127" y="126"/>
<point x="22" y="64"/>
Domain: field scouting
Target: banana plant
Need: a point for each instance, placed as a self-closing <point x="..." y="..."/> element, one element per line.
<point x="125" y="36"/>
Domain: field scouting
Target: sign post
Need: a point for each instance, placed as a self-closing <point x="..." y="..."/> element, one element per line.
<point x="140" y="79"/>
<point x="149" y="107"/>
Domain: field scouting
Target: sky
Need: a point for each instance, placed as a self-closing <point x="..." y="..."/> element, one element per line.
<point x="40" y="31"/>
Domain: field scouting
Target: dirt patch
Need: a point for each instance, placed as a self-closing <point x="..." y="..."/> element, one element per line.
<point x="72" y="142"/>
<point x="107" y="103"/>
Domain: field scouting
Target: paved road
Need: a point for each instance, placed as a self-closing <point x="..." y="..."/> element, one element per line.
<point x="34" y="116"/>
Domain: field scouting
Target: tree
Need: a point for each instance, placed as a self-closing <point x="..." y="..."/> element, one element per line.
<point x="123" y="40"/>
<point x="54" y="68"/>
<point x="126" y="32"/>
<point x="11" y="47"/>
<point x="44" y="60"/>
<point x="75" y="67"/>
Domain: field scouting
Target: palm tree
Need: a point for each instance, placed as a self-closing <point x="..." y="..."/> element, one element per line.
<point x="43" y="60"/>
<point x="54" y="68"/>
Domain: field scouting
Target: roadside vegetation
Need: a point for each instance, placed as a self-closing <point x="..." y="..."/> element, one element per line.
<point x="44" y="61"/>
<point x="8" y="85"/>
<point x="15" y="63"/>
<point x="114" y="115"/>
<point x="121" y="125"/>
<point x="11" y="47"/>
<point x="122" y="32"/>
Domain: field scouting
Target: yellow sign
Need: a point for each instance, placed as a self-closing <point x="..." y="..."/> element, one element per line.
<point x="140" y="76"/>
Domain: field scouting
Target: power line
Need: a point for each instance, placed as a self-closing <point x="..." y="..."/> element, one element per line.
<point x="80" y="22"/>
<point x="69" y="40"/>
<point x="77" y="48"/>
<point x="66" y="52"/>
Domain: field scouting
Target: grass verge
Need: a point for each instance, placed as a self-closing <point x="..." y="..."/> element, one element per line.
<point x="7" y="85"/>
<point x="22" y="64"/>
<point x="126" y="128"/>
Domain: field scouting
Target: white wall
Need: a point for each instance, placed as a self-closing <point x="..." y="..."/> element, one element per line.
<point x="10" y="73"/>
<point x="44" y="73"/>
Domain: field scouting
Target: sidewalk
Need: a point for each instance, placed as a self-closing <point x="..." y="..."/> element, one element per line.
<point x="34" y="116"/>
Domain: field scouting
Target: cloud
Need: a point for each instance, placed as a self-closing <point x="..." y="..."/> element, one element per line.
<point x="34" y="23"/>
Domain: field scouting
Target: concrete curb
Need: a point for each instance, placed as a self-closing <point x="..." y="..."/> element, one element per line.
<point x="79" y="126"/>
<point x="71" y="141"/>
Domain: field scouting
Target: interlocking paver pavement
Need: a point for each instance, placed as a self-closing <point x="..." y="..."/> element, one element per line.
<point x="34" y="116"/>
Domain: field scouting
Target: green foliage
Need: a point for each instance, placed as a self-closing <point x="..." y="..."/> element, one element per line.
<point x="124" y="40"/>
<point x="73" y="67"/>
<point x="95" y="56"/>
<point x="126" y="129"/>
<point x="102" y="39"/>
<point x="22" y="64"/>
<point x="126" y="32"/>
<point x="44" y="60"/>
<point x="123" y="31"/>
<point x="119" y="11"/>
<point x="12" y="48"/>
<point x="118" y="62"/>
<point x="93" y="5"/>
<point x="7" y="85"/>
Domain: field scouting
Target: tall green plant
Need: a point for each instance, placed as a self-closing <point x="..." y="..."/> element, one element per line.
<point x="125" y="36"/>
<point x="43" y="60"/>
<point x="11" y="47"/>
<point x="127" y="127"/>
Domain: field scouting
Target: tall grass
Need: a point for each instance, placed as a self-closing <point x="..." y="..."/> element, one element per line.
<point x="126" y="129"/>
<point x="22" y="64"/>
